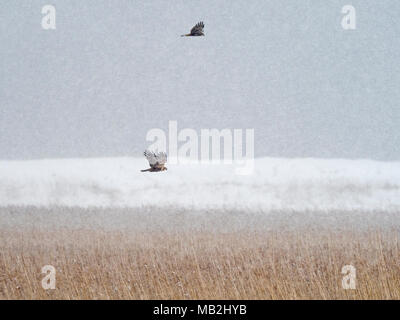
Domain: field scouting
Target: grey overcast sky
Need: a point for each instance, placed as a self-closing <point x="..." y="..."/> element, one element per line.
<point x="112" y="70"/>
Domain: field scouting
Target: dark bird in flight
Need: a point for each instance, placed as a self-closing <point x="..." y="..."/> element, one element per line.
<point x="157" y="160"/>
<point x="196" y="31"/>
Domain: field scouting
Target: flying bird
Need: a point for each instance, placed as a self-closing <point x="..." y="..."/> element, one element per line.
<point x="157" y="160"/>
<point x="196" y="31"/>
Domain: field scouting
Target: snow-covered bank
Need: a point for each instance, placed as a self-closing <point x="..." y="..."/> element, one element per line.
<point x="277" y="184"/>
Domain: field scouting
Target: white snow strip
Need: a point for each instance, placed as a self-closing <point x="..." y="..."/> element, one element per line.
<point x="276" y="184"/>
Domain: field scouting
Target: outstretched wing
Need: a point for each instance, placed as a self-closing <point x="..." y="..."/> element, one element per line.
<point x="156" y="159"/>
<point x="197" y="30"/>
<point x="161" y="158"/>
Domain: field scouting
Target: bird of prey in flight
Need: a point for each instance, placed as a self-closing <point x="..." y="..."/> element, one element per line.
<point x="157" y="160"/>
<point x="196" y="31"/>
